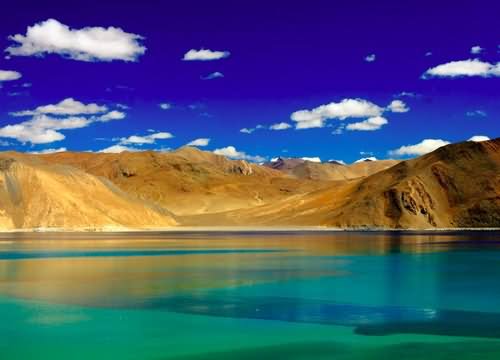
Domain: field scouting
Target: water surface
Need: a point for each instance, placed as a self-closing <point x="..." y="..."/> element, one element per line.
<point x="341" y="295"/>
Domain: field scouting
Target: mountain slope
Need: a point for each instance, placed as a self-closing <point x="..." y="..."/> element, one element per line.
<point x="455" y="186"/>
<point x="36" y="195"/>
<point x="188" y="180"/>
<point x="330" y="171"/>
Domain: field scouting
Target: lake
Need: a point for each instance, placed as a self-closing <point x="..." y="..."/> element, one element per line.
<point x="250" y="295"/>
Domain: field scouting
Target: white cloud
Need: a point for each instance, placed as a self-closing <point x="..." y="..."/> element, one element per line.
<point x="428" y="53"/>
<point x="122" y="106"/>
<point x="67" y="106"/>
<point x="311" y="159"/>
<point x="9" y="75"/>
<point x="339" y="130"/>
<point x="347" y="108"/>
<point x="204" y="55"/>
<point x="86" y="44"/>
<point x="199" y="142"/>
<point x="370" y="158"/>
<point x="146" y="139"/>
<point x="112" y="115"/>
<point x="165" y="106"/>
<point x="24" y="133"/>
<point x="370" y="58"/>
<point x="370" y="124"/>
<point x="247" y="130"/>
<point x="480" y="113"/>
<point x="44" y="127"/>
<point x="476" y="49"/>
<point x="280" y="126"/>
<point x="423" y="147"/>
<point x="251" y="130"/>
<point x="231" y="152"/>
<point x="407" y="94"/>
<point x="214" y="75"/>
<point x="478" y="138"/>
<point x="115" y="149"/>
<point x="398" y="106"/>
<point x="50" y="151"/>
<point x="462" y="68"/>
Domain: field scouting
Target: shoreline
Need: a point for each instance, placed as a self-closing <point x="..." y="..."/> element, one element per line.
<point x="236" y="229"/>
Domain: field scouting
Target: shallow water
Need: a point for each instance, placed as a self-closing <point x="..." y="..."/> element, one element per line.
<point x="341" y="295"/>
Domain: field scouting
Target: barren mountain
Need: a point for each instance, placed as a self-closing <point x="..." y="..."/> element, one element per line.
<point x="329" y="171"/>
<point x="37" y="195"/>
<point x="188" y="180"/>
<point x="455" y="186"/>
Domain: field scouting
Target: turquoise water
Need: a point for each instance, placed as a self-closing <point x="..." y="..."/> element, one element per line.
<point x="338" y="295"/>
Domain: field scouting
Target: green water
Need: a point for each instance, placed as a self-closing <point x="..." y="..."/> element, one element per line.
<point x="250" y="296"/>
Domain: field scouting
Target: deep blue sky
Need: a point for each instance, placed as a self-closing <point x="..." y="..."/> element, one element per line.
<point x="284" y="56"/>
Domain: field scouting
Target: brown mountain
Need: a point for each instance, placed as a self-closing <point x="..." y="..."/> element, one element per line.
<point x="34" y="194"/>
<point x="455" y="186"/>
<point x="329" y="171"/>
<point x="188" y="180"/>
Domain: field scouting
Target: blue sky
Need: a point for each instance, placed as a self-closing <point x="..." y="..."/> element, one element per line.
<point x="329" y="79"/>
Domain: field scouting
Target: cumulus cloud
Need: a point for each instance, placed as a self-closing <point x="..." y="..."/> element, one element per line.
<point x="370" y="124"/>
<point x="346" y="108"/>
<point x="86" y="44"/>
<point x="311" y="159"/>
<point x="115" y="149"/>
<point x="25" y="133"/>
<point x="280" y="126"/>
<point x="47" y="121"/>
<point x="165" y="106"/>
<point x="112" y="115"/>
<point x="199" y="142"/>
<point x="50" y="151"/>
<point x="231" y="152"/>
<point x="370" y="158"/>
<point x="480" y="113"/>
<point x="463" y="68"/>
<point x="212" y="76"/>
<point x="145" y="139"/>
<point x="370" y="58"/>
<point x="9" y="75"/>
<point x="476" y="49"/>
<point x="398" y="106"/>
<point x="204" y="55"/>
<point x="423" y="147"/>
<point x="67" y="106"/>
<point x="479" y="138"/>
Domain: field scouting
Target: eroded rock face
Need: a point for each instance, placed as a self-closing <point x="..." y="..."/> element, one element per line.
<point x="241" y="167"/>
<point x="447" y="183"/>
<point x="417" y="201"/>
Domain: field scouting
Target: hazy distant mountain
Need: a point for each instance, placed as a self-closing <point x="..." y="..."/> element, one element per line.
<point x="455" y="186"/>
<point x="328" y="171"/>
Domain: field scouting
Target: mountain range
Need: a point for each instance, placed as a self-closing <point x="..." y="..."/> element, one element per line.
<point x="457" y="185"/>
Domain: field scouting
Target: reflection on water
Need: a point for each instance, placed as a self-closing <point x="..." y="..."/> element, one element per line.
<point x="362" y="285"/>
